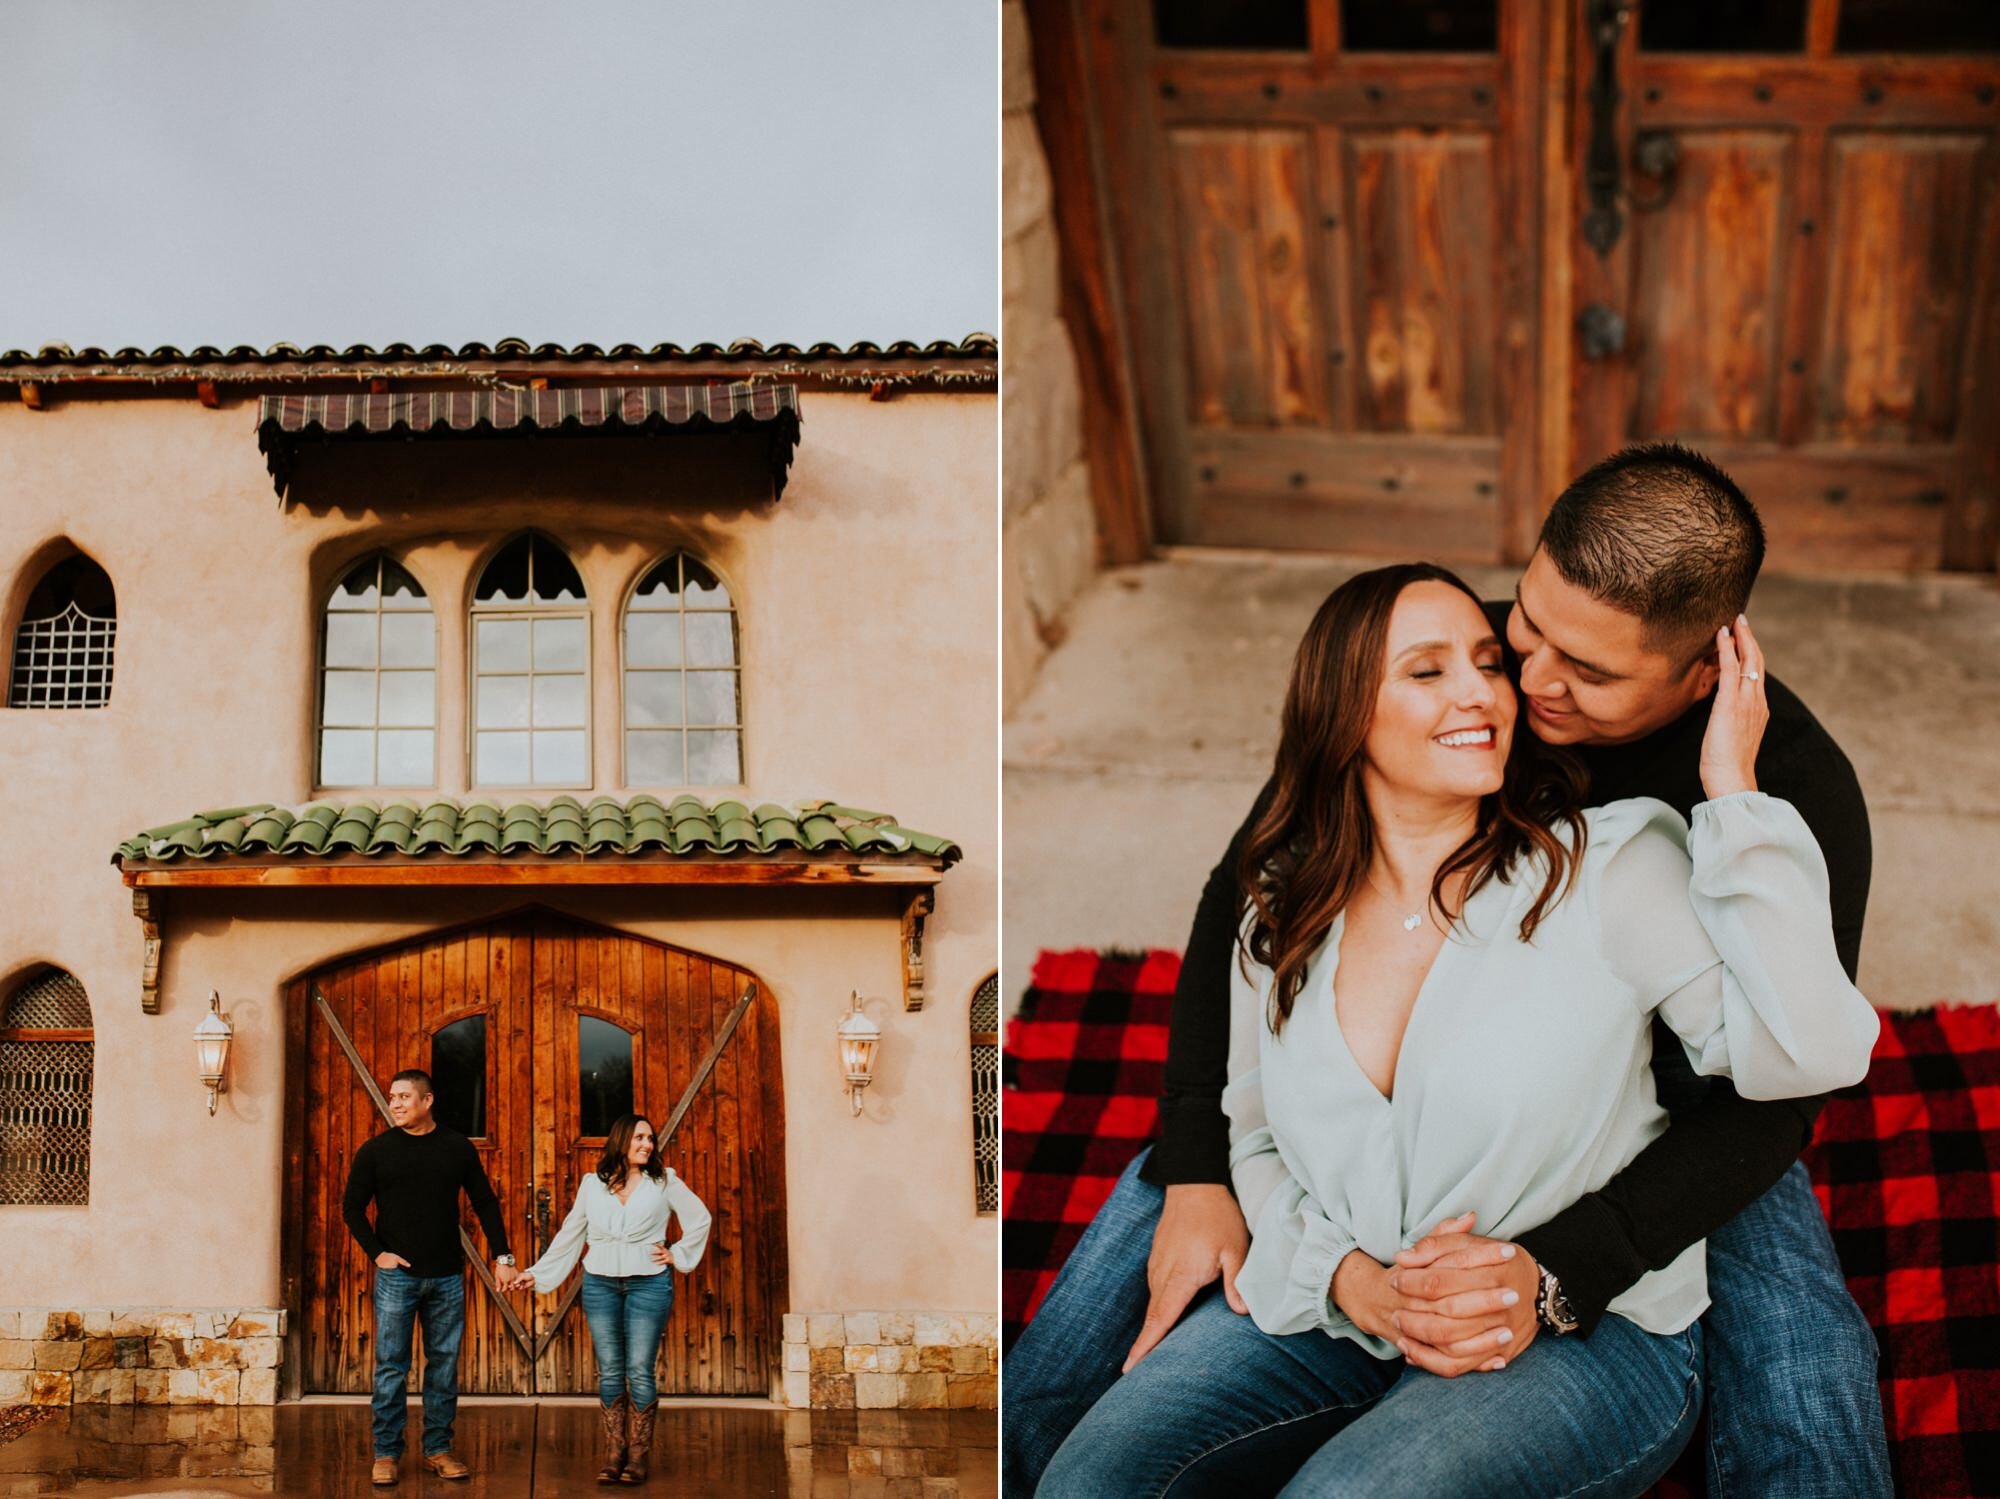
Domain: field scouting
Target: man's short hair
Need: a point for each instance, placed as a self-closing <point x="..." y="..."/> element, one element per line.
<point x="415" y="1075"/>
<point x="1659" y="531"/>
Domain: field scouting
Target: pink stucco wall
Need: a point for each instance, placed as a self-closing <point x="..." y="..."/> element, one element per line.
<point x="868" y="606"/>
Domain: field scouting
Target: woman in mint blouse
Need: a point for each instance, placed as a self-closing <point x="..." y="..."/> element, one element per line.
<point x="618" y="1226"/>
<point x="1443" y="1018"/>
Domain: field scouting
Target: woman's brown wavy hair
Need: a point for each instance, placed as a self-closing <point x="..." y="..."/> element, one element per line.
<point x="618" y="1140"/>
<point x="1311" y="843"/>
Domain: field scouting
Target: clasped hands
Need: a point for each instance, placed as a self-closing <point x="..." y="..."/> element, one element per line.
<point x="1445" y="1302"/>
<point x="507" y="1278"/>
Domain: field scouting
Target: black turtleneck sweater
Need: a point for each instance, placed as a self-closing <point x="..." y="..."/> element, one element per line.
<point x="1720" y="1151"/>
<point x="414" y="1182"/>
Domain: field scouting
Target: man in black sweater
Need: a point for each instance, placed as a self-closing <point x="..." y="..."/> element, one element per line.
<point x="413" y="1174"/>
<point x="1789" y="1360"/>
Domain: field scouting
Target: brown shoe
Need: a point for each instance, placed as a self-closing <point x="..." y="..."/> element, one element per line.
<point x="614" y="1416"/>
<point x="446" y="1466"/>
<point x="638" y="1442"/>
<point x="384" y="1474"/>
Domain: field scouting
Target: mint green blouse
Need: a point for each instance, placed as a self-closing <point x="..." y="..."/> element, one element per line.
<point x="1523" y="1082"/>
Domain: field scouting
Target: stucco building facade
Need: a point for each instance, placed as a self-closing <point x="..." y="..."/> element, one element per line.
<point x="619" y="739"/>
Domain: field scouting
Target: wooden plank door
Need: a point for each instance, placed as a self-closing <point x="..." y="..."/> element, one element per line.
<point x="393" y="1005"/>
<point x="511" y="1018"/>
<point x="607" y="1002"/>
<point x="1797" y="273"/>
<point x="1326" y="219"/>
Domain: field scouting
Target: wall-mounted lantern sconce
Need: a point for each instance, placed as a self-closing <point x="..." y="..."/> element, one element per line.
<point x="859" y="1036"/>
<point x="211" y="1048"/>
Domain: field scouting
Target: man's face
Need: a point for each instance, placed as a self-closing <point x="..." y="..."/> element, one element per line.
<point x="409" y="1105"/>
<point x="1585" y="675"/>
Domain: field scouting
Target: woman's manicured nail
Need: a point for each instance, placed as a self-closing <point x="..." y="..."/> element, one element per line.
<point x="1506" y="1251"/>
<point x="1396" y="1320"/>
<point x="1506" y="1336"/>
<point x="1395" y="1282"/>
<point x="1510" y="1298"/>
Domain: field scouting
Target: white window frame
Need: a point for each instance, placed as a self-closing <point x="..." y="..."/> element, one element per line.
<point x="476" y="613"/>
<point x="320" y="726"/>
<point x="741" y="726"/>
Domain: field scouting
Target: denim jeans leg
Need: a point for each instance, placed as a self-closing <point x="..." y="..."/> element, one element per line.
<point x="1793" y="1405"/>
<point x="1219" y="1408"/>
<point x="1072" y="1351"/>
<point x="395" y="1297"/>
<point x="649" y="1300"/>
<point x="604" y="1309"/>
<point x="1600" y="1417"/>
<point x="443" y="1309"/>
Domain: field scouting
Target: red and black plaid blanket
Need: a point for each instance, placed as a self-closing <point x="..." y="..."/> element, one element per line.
<point x="1906" y="1165"/>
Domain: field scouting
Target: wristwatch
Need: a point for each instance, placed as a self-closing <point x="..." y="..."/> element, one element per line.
<point x="508" y="1259"/>
<point x="1552" y="1308"/>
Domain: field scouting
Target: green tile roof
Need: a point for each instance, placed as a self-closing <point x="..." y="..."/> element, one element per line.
<point x="563" y="825"/>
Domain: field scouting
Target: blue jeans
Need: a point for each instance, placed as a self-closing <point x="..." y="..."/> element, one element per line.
<point x="1221" y="1408"/>
<point x="627" y="1316"/>
<point x="400" y="1300"/>
<point x="1794" y="1409"/>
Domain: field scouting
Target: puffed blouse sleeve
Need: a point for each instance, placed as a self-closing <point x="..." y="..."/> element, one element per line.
<point x="694" y="1217"/>
<point x="1726" y="930"/>
<point x="1294" y="1244"/>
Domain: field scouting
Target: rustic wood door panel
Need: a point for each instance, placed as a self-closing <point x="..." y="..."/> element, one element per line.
<point x="535" y="979"/>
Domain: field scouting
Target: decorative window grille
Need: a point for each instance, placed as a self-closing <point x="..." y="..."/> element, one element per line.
<point x="530" y="670"/>
<point x="683" y="679"/>
<point x="46" y="1045"/>
<point x="378" y="680"/>
<point x="986" y="1093"/>
<point x="63" y="645"/>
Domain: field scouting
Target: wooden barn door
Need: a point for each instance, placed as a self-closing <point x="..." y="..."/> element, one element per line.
<point x="1327" y="217"/>
<point x="538" y="1030"/>
<point x="1785" y="252"/>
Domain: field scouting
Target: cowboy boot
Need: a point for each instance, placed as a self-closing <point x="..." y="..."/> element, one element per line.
<point x="638" y="1441"/>
<point x="615" y="1415"/>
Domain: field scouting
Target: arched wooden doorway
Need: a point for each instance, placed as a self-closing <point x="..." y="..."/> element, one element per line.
<point x="528" y="1023"/>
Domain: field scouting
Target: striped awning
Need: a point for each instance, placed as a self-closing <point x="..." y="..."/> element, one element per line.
<point x="286" y="424"/>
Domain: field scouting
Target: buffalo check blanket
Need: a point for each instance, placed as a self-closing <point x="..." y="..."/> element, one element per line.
<point x="1906" y="1165"/>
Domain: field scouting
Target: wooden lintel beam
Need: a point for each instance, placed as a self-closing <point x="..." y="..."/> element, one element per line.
<point x="404" y="876"/>
<point x="31" y="395"/>
<point x="206" y="393"/>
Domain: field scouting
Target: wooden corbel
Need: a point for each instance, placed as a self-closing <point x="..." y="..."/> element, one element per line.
<point x="31" y="395"/>
<point x="919" y="905"/>
<point x="206" y="393"/>
<point x="145" y="906"/>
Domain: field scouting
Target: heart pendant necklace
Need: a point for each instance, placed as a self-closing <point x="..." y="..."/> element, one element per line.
<point x="1410" y="922"/>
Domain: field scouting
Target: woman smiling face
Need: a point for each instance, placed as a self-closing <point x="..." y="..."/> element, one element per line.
<point x="1444" y="714"/>
<point x="639" y="1149"/>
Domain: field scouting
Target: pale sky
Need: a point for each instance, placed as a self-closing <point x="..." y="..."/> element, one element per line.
<point x="371" y="171"/>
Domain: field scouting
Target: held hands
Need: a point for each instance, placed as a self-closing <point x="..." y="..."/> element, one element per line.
<point x="388" y="1259"/>
<point x="1201" y="1235"/>
<point x="505" y="1276"/>
<point x="1736" y="722"/>
<point x="1463" y="1301"/>
<point x="522" y="1282"/>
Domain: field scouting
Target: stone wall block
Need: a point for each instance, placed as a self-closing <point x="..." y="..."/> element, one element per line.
<point x="253" y="1325"/>
<point x="970" y="1358"/>
<point x="826" y="1360"/>
<point x="1041" y="415"/>
<point x="1031" y="277"/>
<point x="216" y="1386"/>
<point x="985" y="1329"/>
<point x="859" y="1358"/>
<point x="99" y="1353"/>
<point x="1024" y="175"/>
<point x="49" y="1387"/>
<point x="798" y="1388"/>
<point x="798" y="1358"/>
<point x="66" y="1354"/>
<point x="832" y="1391"/>
<point x="174" y="1325"/>
<point x="924" y="1392"/>
<point x="826" y="1329"/>
<point x="167" y="1353"/>
<point x="895" y="1327"/>
<point x="128" y="1353"/>
<point x="151" y="1386"/>
<point x="934" y="1327"/>
<point x="795" y="1328"/>
<point x="211" y="1353"/>
<point x="132" y="1325"/>
<point x="980" y="1392"/>
<point x="11" y="1326"/>
<point x="1017" y="61"/>
<point x="860" y="1327"/>
<point x="14" y="1385"/>
<point x="97" y="1322"/>
<point x="260" y="1353"/>
<point x="183" y="1386"/>
<point x="106" y="1386"/>
<point x="258" y="1387"/>
<point x="17" y="1353"/>
<point x="935" y="1357"/>
<point x="63" y="1325"/>
<point x="876" y="1392"/>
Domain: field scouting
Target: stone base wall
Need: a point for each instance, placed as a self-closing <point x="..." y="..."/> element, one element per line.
<point x="140" y="1356"/>
<point x="892" y="1360"/>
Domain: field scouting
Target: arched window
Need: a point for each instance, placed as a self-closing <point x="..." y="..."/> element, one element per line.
<point x="530" y="669"/>
<point x="683" y="679"/>
<point x="46" y="1042"/>
<point x="62" y="649"/>
<point x="378" y="680"/>
<point x="986" y="1094"/>
<point x="603" y="1075"/>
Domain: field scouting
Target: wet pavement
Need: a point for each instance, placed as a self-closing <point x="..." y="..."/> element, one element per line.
<point x="517" y="1449"/>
